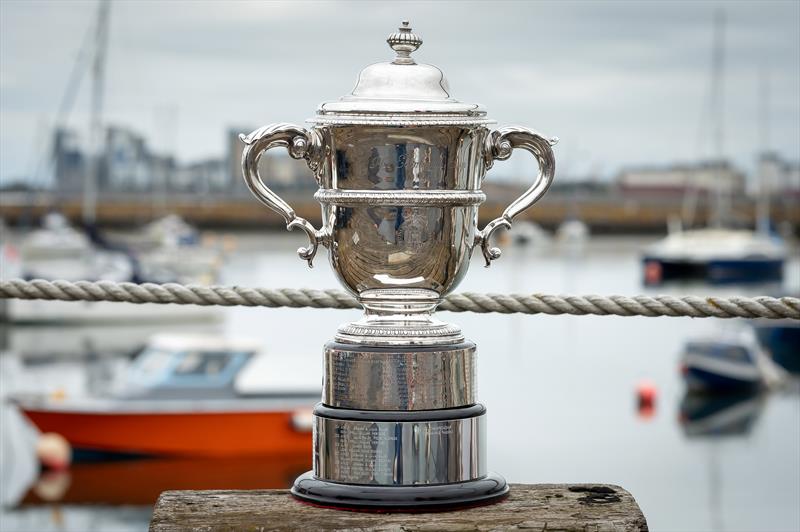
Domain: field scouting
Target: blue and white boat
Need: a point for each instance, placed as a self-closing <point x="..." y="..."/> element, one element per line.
<point x="729" y="362"/>
<point x="715" y="255"/>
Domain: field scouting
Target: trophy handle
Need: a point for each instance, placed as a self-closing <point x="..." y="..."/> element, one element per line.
<point x="499" y="145"/>
<point x="301" y="144"/>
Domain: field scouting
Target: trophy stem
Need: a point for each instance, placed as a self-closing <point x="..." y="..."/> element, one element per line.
<point x="399" y="317"/>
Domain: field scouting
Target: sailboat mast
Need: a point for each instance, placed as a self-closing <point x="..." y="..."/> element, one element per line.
<point x="96" y="115"/>
<point x="762" y="210"/>
<point x="721" y="197"/>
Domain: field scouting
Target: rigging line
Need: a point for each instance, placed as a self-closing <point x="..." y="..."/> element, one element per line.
<point x="67" y="101"/>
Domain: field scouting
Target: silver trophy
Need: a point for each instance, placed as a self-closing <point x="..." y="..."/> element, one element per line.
<point x="399" y="164"/>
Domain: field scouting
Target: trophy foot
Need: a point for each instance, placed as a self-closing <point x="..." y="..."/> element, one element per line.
<point x="416" y="498"/>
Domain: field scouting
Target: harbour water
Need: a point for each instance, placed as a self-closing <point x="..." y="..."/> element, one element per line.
<point x="560" y="391"/>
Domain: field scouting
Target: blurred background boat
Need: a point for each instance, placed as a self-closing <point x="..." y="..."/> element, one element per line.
<point x="572" y="234"/>
<point x="715" y="255"/>
<point x="719" y="252"/>
<point x="188" y="395"/>
<point x="527" y="233"/>
<point x="57" y="250"/>
<point x="729" y="361"/>
<point x="166" y="251"/>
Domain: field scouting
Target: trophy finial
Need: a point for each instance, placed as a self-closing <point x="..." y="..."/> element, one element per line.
<point x="404" y="42"/>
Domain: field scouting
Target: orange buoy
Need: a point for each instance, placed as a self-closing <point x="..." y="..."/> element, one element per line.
<point x="646" y="393"/>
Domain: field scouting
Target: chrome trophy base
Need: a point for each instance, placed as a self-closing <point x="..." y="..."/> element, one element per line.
<point x="440" y="497"/>
<point x="400" y="460"/>
<point x="399" y="429"/>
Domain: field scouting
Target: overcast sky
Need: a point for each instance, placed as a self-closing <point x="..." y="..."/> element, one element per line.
<point x="619" y="82"/>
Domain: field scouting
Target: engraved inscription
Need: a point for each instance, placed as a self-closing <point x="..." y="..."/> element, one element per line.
<point x="399" y="381"/>
<point x="397" y="453"/>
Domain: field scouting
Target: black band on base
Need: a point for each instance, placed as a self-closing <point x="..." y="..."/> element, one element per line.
<point x="419" y="498"/>
<point x="400" y="416"/>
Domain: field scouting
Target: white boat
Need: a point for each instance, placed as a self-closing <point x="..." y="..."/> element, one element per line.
<point x="715" y="255"/>
<point x="168" y="231"/>
<point x="572" y="234"/>
<point x="55" y="239"/>
<point x="74" y="256"/>
<point x="171" y="250"/>
<point x="528" y="233"/>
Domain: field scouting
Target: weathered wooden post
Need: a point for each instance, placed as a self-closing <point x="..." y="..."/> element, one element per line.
<point x="537" y="507"/>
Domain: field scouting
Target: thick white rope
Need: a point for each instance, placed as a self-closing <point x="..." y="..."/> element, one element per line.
<point x="227" y="296"/>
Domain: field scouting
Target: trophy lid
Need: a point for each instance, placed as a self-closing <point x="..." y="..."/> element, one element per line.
<point x="401" y="92"/>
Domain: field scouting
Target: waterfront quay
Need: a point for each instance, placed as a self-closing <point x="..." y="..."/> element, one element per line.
<point x="607" y="212"/>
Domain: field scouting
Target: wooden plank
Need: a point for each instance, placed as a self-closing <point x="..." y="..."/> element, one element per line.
<point x="537" y="507"/>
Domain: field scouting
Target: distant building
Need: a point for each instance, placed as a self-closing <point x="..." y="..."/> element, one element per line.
<point x="702" y="178"/>
<point x="127" y="162"/>
<point x="69" y="164"/>
<point x="781" y="178"/>
<point x="162" y="170"/>
<point x="278" y="169"/>
<point x="234" y="149"/>
<point x="583" y="188"/>
<point x="206" y="177"/>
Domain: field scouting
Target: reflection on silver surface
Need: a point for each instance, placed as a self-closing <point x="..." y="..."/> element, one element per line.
<point x="425" y="380"/>
<point x="400" y="453"/>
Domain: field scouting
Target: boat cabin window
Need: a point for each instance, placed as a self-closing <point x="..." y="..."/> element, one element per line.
<point x="203" y="363"/>
<point x="737" y="353"/>
<point x="156" y="367"/>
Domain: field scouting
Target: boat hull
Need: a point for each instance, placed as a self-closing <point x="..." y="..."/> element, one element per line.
<point x="213" y="434"/>
<point x="658" y="270"/>
<point x="704" y="380"/>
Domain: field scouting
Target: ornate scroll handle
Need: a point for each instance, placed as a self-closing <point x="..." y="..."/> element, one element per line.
<point x="301" y="144"/>
<point x="499" y="145"/>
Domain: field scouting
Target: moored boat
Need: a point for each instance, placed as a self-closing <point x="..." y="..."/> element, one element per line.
<point x="59" y="251"/>
<point x="181" y="398"/>
<point x="572" y="233"/>
<point x="527" y="233"/>
<point x="729" y="362"/>
<point x="715" y="256"/>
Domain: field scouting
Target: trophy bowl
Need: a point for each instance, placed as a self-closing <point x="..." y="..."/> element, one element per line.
<point x="400" y="164"/>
